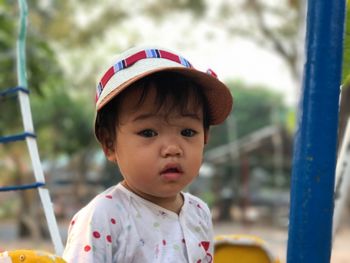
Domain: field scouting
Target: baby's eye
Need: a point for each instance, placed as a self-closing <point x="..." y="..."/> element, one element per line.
<point x="147" y="133"/>
<point x="188" y="132"/>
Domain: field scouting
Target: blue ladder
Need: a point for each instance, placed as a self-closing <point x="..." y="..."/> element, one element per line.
<point x="28" y="135"/>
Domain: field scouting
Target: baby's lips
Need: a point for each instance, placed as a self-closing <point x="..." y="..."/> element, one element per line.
<point x="172" y="168"/>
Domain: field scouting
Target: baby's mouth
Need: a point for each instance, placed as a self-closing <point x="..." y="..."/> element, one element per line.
<point x="171" y="172"/>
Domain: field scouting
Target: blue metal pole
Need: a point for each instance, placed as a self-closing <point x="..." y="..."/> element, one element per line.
<point x="314" y="158"/>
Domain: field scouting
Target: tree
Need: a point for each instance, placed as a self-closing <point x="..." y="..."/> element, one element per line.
<point x="274" y="25"/>
<point x="254" y="107"/>
<point x="66" y="128"/>
<point x="41" y="69"/>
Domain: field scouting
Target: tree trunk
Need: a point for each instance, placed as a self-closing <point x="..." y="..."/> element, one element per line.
<point x="28" y="223"/>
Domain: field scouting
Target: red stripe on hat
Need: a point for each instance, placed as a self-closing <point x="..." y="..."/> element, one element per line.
<point x="170" y="56"/>
<point x="134" y="58"/>
<point x="107" y="76"/>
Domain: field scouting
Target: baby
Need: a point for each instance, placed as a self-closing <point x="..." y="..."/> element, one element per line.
<point x="154" y="110"/>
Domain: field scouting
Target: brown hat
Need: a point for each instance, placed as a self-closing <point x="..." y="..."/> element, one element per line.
<point x="137" y="63"/>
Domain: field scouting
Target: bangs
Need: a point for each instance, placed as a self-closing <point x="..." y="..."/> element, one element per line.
<point x="174" y="93"/>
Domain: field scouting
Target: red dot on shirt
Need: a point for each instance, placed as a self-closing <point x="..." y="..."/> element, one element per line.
<point x="73" y="222"/>
<point x="109" y="238"/>
<point x="109" y="196"/>
<point x="87" y="248"/>
<point x="164" y="242"/>
<point x="113" y="221"/>
<point x="96" y="234"/>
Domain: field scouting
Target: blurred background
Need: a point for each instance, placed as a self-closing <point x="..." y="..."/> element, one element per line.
<point x="254" y="46"/>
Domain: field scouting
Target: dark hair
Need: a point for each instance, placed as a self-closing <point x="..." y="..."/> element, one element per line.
<point x="173" y="92"/>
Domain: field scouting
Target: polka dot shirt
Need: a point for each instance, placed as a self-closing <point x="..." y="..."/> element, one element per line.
<point x="119" y="226"/>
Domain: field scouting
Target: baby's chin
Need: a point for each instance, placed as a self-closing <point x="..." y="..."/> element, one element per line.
<point x="171" y="176"/>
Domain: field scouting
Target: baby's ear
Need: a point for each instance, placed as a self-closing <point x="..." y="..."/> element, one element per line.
<point x="109" y="151"/>
<point x="107" y="143"/>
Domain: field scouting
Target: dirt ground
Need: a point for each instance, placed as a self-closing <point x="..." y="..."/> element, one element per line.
<point x="275" y="237"/>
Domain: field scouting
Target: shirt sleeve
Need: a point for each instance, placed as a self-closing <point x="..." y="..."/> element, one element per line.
<point x="91" y="236"/>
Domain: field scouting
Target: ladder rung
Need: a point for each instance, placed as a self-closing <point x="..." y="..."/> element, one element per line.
<point x="21" y="187"/>
<point x="16" y="137"/>
<point x="13" y="90"/>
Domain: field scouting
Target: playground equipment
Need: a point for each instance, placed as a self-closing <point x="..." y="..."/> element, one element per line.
<point x="314" y="157"/>
<point x="28" y="135"/>
<point x="242" y="249"/>
<point x="29" y="256"/>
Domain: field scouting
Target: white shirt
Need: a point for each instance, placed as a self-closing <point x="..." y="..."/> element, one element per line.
<point x="118" y="226"/>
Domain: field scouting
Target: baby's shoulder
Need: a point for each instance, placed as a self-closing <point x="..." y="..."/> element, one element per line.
<point x="104" y="205"/>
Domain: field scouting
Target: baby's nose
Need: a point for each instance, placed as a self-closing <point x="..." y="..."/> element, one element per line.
<point x="172" y="150"/>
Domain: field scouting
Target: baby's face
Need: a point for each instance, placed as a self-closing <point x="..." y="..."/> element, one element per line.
<point x="157" y="155"/>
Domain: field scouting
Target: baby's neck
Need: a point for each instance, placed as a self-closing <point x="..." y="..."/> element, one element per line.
<point x="173" y="204"/>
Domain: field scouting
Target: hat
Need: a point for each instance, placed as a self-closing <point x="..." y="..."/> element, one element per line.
<point x="137" y="63"/>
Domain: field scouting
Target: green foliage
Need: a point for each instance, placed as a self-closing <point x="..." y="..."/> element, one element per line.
<point x="64" y="123"/>
<point x="346" y="54"/>
<point x="42" y="67"/>
<point x="291" y="120"/>
<point x="41" y="60"/>
<point x="218" y="136"/>
<point x="160" y="9"/>
<point x="7" y="45"/>
<point x="254" y="107"/>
